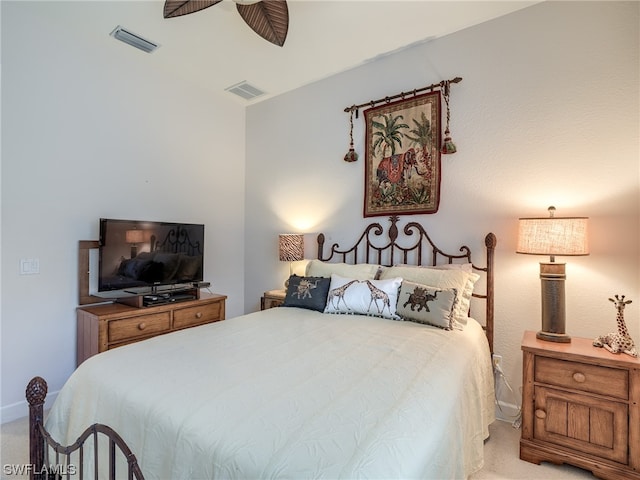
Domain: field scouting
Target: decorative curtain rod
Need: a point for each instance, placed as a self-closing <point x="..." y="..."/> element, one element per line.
<point x="401" y="95"/>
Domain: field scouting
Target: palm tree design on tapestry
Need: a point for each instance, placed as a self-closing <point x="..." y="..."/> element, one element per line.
<point x="389" y="133"/>
<point x="390" y="172"/>
<point x="423" y="138"/>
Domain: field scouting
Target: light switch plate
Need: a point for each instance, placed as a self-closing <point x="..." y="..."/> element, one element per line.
<point x="29" y="266"/>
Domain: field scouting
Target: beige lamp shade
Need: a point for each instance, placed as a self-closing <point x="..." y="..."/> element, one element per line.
<point x="134" y="236"/>
<point x="553" y="236"/>
<point x="291" y="247"/>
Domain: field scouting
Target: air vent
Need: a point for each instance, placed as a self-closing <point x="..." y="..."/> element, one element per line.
<point x="244" y="90"/>
<point x="134" y="40"/>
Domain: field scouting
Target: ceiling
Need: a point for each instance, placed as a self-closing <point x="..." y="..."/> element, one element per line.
<point x="216" y="49"/>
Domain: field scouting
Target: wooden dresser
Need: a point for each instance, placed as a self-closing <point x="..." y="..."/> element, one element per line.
<point x="581" y="406"/>
<point x="107" y="326"/>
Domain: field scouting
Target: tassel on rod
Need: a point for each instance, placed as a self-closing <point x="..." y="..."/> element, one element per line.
<point x="400" y="95"/>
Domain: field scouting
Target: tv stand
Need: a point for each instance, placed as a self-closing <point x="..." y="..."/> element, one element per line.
<point x="163" y="297"/>
<point x="106" y="326"/>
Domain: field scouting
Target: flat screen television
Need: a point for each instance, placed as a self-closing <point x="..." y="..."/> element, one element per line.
<point x="138" y="257"/>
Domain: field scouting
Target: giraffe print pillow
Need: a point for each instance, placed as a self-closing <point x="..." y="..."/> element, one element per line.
<point x="378" y="298"/>
<point x="424" y="304"/>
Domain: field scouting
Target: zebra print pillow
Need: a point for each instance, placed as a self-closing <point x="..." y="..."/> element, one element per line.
<point x="378" y="298"/>
<point x="424" y="304"/>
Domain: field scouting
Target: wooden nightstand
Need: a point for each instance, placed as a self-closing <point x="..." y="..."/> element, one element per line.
<point x="272" y="298"/>
<point x="581" y="406"/>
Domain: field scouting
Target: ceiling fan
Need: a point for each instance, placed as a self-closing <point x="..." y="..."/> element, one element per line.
<point x="268" y="18"/>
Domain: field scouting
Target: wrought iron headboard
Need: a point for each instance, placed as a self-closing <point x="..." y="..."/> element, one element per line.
<point x="423" y="251"/>
<point x="176" y="241"/>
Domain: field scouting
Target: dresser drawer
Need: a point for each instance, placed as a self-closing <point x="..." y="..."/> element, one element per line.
<point x="607" y="381"/>
<point x="140" y="326"/>
<point x="187" y="317"/>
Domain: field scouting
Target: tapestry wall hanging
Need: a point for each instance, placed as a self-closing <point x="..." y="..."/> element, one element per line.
<point x="402" y="157"/>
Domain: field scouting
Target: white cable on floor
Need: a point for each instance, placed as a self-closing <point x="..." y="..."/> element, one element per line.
<point x="499" y="375"/>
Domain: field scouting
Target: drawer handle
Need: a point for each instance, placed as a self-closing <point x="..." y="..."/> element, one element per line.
<point x="199" y="315"/>
<point x="541" y="414"/>
<point x="142" y="326"/>
<point x="579" y="377"/>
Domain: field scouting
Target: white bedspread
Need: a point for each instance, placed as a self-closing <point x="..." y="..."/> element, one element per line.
<point x="291" y="393"/>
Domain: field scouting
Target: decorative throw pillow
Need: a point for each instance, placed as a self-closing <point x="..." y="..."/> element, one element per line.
<point x="360" y="271"/>
<point x="366" y="297"/>
<point x="307" y="292"/>
<point x="462" y="281"/>
<point x="425" y="304"/>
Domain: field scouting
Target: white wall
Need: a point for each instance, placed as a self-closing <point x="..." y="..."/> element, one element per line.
<point x="92" y="131"/>
<point x="547" y="114"/>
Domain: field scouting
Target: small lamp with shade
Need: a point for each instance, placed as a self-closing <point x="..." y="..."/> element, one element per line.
<point x="290" y="249"/>
<point x="553" y="236"/>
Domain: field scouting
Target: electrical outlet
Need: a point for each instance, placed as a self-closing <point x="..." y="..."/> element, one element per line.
<point x="497" y="361"/>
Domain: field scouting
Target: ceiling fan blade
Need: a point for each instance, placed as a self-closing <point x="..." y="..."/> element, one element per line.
<point x="268" y="18"/>
<point x="176" y="8"/>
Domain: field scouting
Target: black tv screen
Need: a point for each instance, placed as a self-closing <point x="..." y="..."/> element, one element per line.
<point x="138" y="255"/>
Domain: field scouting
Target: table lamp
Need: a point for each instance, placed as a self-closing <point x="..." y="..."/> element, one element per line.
<point x="134" y="237"/>
<point x="290" y="248"/>
<point x="553" y="236"/>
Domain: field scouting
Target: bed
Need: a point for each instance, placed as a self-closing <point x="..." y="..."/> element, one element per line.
<point x="294" y="392"/>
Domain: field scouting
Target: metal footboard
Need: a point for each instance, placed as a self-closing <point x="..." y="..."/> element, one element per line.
<point x="42" y="447"/>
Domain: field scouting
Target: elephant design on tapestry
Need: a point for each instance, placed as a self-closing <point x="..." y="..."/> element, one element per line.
<point x="398" y="168"/>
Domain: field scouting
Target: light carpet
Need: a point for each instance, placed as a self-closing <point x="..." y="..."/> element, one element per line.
<point x="502" y="460"/>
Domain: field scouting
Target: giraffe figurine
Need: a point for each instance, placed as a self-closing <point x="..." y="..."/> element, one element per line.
<point x="619" y="341"/>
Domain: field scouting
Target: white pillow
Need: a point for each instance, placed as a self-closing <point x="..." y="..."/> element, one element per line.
<point x="378" y="298"/>
<point x="462" y="281"/>
<point x="360" y="271"/>
<point x="465" y="267"/>
<point x="298" y="267"/>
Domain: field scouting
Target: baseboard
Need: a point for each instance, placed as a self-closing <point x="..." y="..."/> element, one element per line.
<point x="18" y="410"/>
